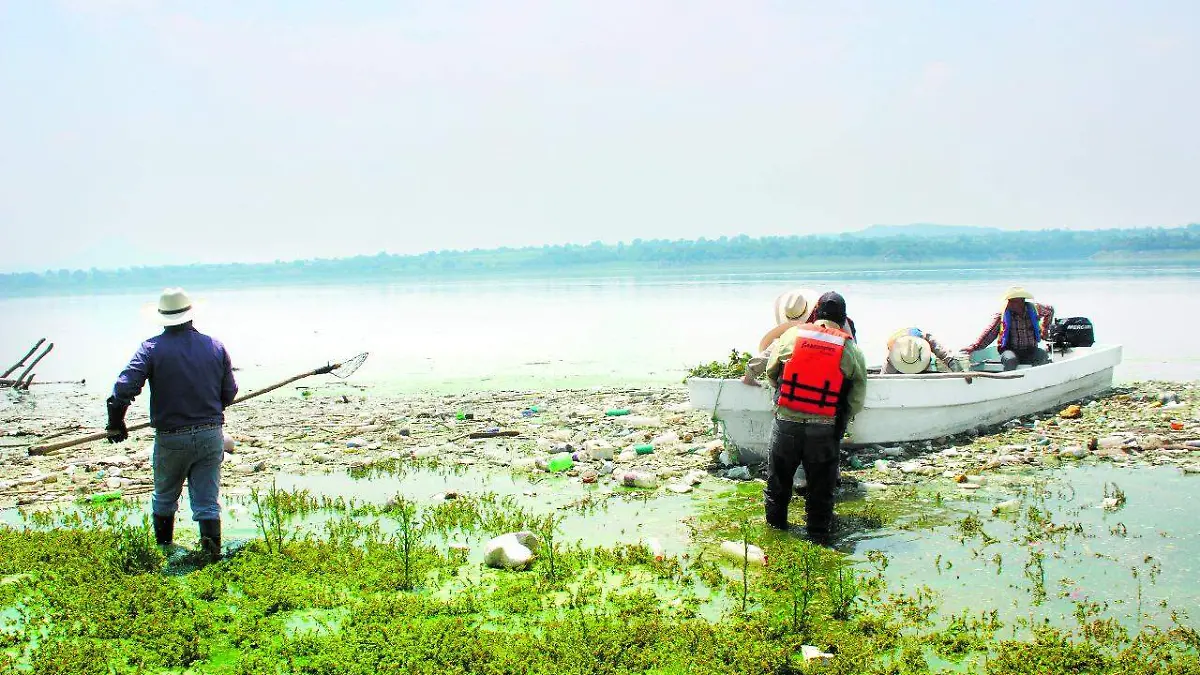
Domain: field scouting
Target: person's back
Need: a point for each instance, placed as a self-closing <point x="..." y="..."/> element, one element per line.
<point x="191" y="384"/>
<point x="186" y="371"/>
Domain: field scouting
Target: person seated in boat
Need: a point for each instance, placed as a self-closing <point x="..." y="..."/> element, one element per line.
<point x="1017" y="330"/>
<point x="820" y="382"/>
<point x="912" y="350"/>
<point x="792" y="308"/>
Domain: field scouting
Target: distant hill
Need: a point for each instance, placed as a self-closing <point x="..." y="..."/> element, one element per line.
<point x="929" y="230"/>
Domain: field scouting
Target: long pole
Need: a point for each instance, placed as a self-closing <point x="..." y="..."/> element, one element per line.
<point x="100" y="435"/>
<point x="20" y="363"/>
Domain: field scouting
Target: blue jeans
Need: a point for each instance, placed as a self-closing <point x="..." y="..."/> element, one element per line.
<point x="194" y="456"/>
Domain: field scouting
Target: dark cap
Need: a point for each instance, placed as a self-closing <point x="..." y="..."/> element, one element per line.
<point x="832" y="307"/>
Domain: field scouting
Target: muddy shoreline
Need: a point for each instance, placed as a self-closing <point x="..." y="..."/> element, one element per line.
<point x="327" y="430"/>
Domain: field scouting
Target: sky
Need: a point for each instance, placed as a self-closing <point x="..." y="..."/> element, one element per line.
<point x="146" y="132"/>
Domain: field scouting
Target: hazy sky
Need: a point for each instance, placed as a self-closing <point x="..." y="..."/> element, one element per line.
<point x="145" y="132"/>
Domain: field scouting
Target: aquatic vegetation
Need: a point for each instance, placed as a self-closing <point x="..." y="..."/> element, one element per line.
<point x="733" y="367"/>
<point x="329" y="585"/>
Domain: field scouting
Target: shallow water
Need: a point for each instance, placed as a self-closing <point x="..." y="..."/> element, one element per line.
<point x="1147" y="548"/>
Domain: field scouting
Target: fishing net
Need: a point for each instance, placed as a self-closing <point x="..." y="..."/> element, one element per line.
<point x="345" y="368"/>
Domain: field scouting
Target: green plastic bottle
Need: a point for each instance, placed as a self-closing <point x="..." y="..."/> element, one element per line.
<point x="644" y="449"/>
<point x="560" y="462"/>
<point x="616" y="412"/>
<point x="101" y="497"/>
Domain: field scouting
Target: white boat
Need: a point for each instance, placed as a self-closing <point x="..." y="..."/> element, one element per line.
<point x="920" y="407"/>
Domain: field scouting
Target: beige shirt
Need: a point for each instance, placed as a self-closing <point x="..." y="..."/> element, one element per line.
<point x="854" y="368"/>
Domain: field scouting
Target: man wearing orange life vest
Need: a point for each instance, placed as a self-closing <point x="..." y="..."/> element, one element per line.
<point x="820" y="378"/>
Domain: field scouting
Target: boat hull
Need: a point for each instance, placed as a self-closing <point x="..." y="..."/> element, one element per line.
<point x="902" y="408"/>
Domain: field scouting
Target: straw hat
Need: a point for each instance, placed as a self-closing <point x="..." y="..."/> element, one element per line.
<point x="1015" y="292"/>
<point x="795" y="304"/>
<point x="791" y="309"/>
<point x="910" y="354"/>
<point x="175" y="307"/>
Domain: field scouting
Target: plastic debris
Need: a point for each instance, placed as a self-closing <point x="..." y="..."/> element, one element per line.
<point x="511" y="551"/>
<point x="559" y="462"/>
<point x="811" y="653"/>
<point x="1071" y="412"/>
<point x="738" y="551"/>
<point x="738" y="473"/>
<point x="1006" y="506"/>
<point x="656" y="548"/>
<point x="639" y="479"/>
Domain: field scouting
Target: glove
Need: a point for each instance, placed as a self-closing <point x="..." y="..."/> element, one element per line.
<point x="117" y="431"/>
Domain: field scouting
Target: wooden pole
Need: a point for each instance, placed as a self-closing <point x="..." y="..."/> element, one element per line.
<point x="21" y="377"/>
<point x="100" y="435"/>
<point x="20" y="363"/>
<point x="24" y="386"/>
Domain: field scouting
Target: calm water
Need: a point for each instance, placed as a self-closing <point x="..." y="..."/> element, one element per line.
<point x="579" y="331"/>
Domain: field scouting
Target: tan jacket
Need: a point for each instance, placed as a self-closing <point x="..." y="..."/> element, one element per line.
<point x="854" y="367"/>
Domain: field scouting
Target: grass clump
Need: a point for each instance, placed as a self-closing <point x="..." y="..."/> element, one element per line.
<point x="733" y="367"/>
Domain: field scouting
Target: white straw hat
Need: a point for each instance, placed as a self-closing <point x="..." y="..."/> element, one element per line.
<point x="910" y="354"/>
<point x="1017" y="292"/>
<point x="795" y="304"/>
<point x="791" y="309"/>
<point x="174" y="307"/>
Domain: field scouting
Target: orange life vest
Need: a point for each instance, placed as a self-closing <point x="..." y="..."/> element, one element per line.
<point x="811" y="381"/>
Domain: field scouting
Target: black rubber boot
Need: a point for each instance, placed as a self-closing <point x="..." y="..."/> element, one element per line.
<point x="210" y="539"/>
<point x="164" y="529"/>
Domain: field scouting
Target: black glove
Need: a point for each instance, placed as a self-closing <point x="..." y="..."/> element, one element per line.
<point x="116" y="429"/>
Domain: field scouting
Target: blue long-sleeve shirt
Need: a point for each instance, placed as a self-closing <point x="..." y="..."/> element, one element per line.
<point x="190" y="374"/>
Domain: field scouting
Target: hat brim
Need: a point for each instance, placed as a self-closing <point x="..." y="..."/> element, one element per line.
<point x="1018" y="294"/>
<point x="896" y="358"/>
<point x="772" y="335"/>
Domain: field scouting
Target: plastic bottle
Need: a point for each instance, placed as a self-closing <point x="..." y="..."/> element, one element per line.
<point x="663" y="439"/>
<point x="736" y="550"/>
<point x="616" y="412"/>
<point x="560" y="462"/>
<point x="639" y="479"/>
<point x="643" y="449"/>
<point x="101" y="497"/>
<point x="656" y="548"/>
<point x="598" y="450"/>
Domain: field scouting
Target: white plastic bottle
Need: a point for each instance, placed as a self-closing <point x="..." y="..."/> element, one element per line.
<point x="736" y="549"/>
<point x="641" y="479"/>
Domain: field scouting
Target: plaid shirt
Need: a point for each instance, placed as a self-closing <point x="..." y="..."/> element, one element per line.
<point x="1022" y="330"/>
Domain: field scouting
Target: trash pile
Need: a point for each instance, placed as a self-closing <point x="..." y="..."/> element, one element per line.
<point x="645" y="438"/>
<point x="1148" y="423"/>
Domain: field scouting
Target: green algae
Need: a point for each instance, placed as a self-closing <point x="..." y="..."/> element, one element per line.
<point x="372" y="584"/>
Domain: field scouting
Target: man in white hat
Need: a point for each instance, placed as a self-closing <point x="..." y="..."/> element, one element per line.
<point x="191" y="384"/>
<point x="1017" y="330"/>
<point x="912" y="350"/>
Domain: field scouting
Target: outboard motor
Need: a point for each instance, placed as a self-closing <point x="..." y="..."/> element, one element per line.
<point x="1076" y="331"/>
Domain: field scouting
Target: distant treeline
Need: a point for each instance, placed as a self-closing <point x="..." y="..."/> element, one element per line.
<point x="1146" y="244"/>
